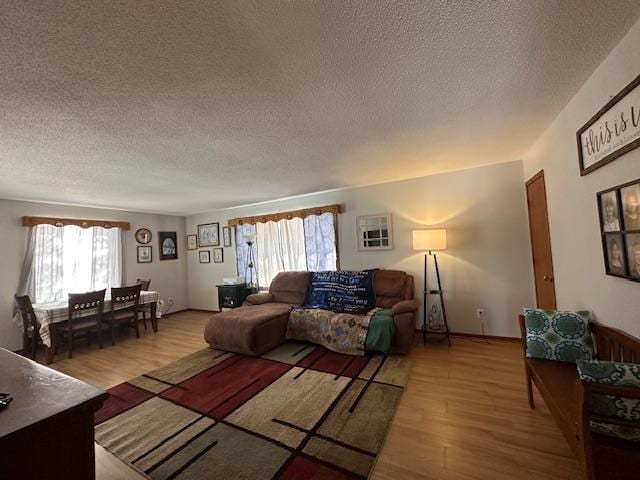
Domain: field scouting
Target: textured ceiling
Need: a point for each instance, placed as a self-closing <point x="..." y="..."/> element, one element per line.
<point x="186" y="106"/>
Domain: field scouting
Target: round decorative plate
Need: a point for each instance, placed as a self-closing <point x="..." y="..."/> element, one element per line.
<point x="143" y="236"/>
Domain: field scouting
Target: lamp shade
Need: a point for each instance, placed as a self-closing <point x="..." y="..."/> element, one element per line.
<point x="430" y="239"/>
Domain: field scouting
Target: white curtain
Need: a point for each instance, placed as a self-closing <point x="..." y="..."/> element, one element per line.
<point x="320" y="242"/>
<point x="295" y="244"/>
<point x="280" y="248"/>
<point x="72" y="260"/>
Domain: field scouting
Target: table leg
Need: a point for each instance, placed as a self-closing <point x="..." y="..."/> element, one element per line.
<point x="50" y="351"/>
<point x="154" y="320"/>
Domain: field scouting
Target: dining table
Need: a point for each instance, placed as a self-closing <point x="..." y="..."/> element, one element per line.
<point x="56" y="312"/>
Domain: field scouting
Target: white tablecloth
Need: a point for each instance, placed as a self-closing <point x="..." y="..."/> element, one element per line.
<point x="55" y="312"/>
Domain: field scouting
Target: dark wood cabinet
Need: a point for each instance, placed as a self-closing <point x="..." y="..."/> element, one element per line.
<point x="232" y="296"/>
<point x="46" y="432"/>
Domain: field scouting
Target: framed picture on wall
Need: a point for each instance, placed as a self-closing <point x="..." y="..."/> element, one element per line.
<point x="145" y="254"/>
<point x="192" y="242"/>
<point x="611" y="132"/>
<point x="226" y="236"/>
<point x="209" y="235"/>
<point x="610" y="212"/>
<point x="205" y="256"/>
<point x="374" y="232"/>
<point x="615" y="256"/>
<point x="630" y="196"/>
<point x="218" y="255"/>
<point x="168" y="245"/>
<point x="633" y="254"/>
<point x="619" y="212"/>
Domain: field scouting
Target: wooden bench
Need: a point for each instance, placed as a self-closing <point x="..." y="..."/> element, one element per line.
<point x="568" y="399"/>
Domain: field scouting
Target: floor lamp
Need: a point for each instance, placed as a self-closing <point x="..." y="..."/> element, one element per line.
<point x="250" y="239"/>
<point x="429" y="241"/>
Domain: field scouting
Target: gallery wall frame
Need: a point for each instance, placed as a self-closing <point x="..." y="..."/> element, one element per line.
<point x="612" y="132"/>
<point x="168" y="245"/>
<point x="209" y="235"/>
<point x="619" y="219"/>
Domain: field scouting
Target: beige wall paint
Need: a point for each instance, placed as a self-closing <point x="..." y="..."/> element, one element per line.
<point x="168" y="277"/>
<point x="488" y="264"/>
<point x="573" y="214"/>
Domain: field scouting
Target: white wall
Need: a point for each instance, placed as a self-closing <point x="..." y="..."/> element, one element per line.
<point x="488" y="264"/>
<point x="168" y="277"/>
<point x="581" y="282"/>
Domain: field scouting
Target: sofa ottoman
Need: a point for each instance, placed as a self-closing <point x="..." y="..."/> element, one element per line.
<point x="250" y="330"/>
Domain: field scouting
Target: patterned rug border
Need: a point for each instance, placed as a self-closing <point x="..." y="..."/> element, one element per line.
<point x="293" y="453"/>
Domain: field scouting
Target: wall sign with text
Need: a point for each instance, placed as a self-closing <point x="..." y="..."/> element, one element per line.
<point x="613" y="131"/>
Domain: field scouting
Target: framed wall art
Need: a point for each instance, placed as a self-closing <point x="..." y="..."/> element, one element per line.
<point x="204" y="256"/>
<point x="209" y="235"/>
<point x="619" y="212"/>
<point x="374" y="232"/>
<point x="612" y="132"/>
<point x="192" y="242"/>
<point x="226" y="236"/>
<point x="218" y="255"/>
<point x="145" y="254"/>
<point x="168" y="245"/>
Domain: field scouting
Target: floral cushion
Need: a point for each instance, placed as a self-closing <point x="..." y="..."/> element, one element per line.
<point x="613" y="373"/>
<point x="561" y="336"/>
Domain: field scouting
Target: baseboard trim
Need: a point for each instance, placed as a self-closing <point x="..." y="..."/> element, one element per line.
<point x="476" y="336"/>
<point x="201" y="310"/>
<point x="486" y="337"/>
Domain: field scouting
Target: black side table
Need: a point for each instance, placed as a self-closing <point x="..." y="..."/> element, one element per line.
<point x="232" y="296"/>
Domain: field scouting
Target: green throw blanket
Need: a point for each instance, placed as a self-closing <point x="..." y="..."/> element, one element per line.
<point x="343" y="332"/>
<point x="381" y="331"/>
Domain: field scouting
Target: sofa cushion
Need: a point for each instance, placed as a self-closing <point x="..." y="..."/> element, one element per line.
<point x="252" y="330"/>
<point x="613" y="373"/>
<point x="389" y="287"/>
<point x="290" y="287"/>
<point x="342" y="291"/>
<point x="561" y="336"/>
<point x="258" y="299"/>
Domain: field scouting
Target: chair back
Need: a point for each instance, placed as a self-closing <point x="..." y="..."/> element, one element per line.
<point x="29" y="320"/>
<point x="144" y="282"/>
<point x="88" y="304"/>
<point x="125" y="298"/>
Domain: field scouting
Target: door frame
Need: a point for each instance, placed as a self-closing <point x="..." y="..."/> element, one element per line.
<point x="537" y="176"/>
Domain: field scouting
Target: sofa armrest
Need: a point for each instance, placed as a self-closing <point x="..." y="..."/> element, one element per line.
<point x="258" y="299"/>
<point x="405" y="306"/>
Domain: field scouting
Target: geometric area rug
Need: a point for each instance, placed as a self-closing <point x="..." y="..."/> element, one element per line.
<point x="298" y="412"/>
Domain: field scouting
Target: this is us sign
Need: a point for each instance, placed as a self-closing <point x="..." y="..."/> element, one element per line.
<point x="613" y="131"/>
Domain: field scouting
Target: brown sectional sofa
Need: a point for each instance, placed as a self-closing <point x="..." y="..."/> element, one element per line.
<point x="261" y="323"/>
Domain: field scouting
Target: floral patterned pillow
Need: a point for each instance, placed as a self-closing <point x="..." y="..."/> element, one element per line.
<point x="561" y="336"/>
<point x="613" y="373"/>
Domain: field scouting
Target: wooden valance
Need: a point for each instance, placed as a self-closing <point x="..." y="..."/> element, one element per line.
<point x="78" y="222"/>
<point x="275" y="217"/>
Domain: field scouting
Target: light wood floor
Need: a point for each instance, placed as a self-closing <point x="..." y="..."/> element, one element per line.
<point x="463" y="416"/>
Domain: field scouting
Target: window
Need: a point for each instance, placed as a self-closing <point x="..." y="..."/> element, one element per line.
<point x="71" y="259"/>
<point x="286" y="245"/>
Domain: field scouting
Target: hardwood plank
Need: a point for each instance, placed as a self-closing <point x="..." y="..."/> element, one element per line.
<point x="463" y="416"/>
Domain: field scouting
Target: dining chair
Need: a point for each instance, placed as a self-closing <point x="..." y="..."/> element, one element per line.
<point x="125" y="304"/>
<point x="30" y="335"/>
<point x="144" y="309"/>
<point x="85" y="317"/>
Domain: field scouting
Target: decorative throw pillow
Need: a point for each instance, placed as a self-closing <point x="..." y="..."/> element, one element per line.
<point x="342" y="291"/>
<point x="562" y="336"/>
<point x="613" y="373"/>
